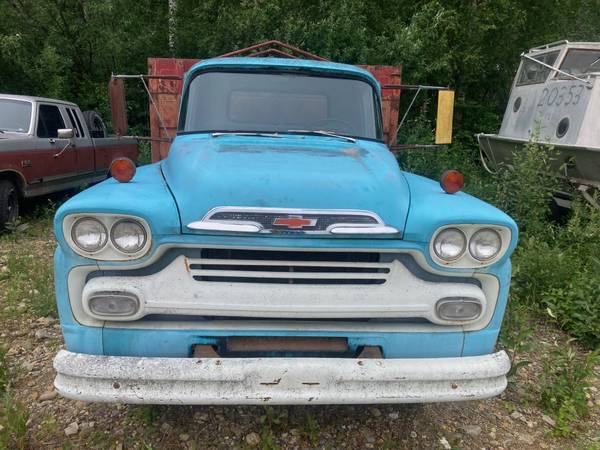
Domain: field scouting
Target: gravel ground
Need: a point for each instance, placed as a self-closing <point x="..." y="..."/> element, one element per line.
<point x="513" y="420"/>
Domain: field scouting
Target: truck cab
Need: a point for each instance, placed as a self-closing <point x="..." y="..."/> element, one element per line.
<point x="280" y="255"/>
<point x="49" y="145"/>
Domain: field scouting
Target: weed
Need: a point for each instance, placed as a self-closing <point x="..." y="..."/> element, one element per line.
<point x="29" y="281"/>
<point x="270" y="420"/>
<point x="13" y="418"/>
<point x="48" y="426"/>
<point x="144" y="413"/>
<point x="4" y="371"/>
<point x="564" y="383"/>
<point x="515" y="336"/>
<point x="309" y="430"/>
<point x="47" y="210"/>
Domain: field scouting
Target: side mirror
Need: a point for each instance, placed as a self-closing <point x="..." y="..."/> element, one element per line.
<point x="65" y="133"/>
<point x="118" y="107"/>
<point x="445" y="113"/>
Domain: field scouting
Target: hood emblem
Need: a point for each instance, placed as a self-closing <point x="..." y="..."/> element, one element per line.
<point x="294" y="222"/>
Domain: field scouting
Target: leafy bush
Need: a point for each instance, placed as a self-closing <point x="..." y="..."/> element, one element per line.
<point x="564" y="383"/>
<point x="576" y="307"/>
<point x="525" y="187"/>
<point x="560" y="273"/>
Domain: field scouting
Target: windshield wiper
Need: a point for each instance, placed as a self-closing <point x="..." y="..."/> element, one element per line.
<point x="324" y="133"/>
<point x="245" y="133"/>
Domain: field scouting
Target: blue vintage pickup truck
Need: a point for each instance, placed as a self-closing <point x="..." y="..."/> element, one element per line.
<point x="280" y="256"/>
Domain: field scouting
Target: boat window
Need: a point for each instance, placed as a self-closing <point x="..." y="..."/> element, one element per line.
<point x="532" y="72"/>
<point x="580" y="63"/>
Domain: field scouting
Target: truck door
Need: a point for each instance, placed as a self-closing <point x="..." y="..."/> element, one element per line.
<point x="84" y="147"/>
<point x="50" y="164"/>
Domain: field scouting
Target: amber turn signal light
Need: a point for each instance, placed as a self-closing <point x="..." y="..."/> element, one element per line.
<point x="452" y="181"/>
<point x="122" y="169"/>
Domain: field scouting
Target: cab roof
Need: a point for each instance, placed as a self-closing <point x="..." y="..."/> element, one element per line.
<point x="284" y="63"/>
<point x="32" y="99"/>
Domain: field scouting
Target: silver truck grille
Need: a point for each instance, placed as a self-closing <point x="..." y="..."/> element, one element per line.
<point x="289" y="267"/>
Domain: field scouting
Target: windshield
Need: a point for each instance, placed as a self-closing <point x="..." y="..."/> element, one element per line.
<point x="15" y="115"/>
<point x="532" y="72"/>
<point x="580" y="63"/>
<point x="268" y="102"/>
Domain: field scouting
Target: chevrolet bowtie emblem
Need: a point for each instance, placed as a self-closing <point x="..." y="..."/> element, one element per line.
<point x="294" y="222"/>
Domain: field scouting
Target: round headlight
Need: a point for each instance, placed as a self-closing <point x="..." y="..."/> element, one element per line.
<point x="449" y="244"/>
<point x="128" y="236"/>
<point x="89" y="234"/>
<point x="485" y="244"/>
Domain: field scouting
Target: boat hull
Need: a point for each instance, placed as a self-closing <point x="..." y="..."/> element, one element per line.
<point x="581" y="164"/>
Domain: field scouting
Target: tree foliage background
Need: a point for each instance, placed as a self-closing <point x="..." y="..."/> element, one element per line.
<point x="68" y="48"/>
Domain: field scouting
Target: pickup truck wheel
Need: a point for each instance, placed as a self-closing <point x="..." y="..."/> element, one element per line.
<point x="95" y="124"/>
<point x="9" y="202"/>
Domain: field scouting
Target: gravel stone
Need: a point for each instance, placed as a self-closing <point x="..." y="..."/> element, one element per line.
<point x="48" y="396"/>
<point x="252" y="439"/>
<point x="42" y="334"/>
<point x="72" y="429"/>
<point x="375" y="412"/>
<point x="472" y="430"/>
<point x="549" y="420"/>
<point x="444" y="443"/>
<point x="516" y="415"/>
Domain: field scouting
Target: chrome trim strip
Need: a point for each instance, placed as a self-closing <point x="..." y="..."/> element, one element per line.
<point x="357" y="229"/>
<point x="223" y="226"/>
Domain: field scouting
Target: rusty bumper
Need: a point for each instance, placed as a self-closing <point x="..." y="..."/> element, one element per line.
<point x="278" y="380"/>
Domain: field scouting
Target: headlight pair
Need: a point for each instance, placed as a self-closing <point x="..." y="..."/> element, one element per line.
<point x="469" y="245"/>
<point x="107" y="237"/>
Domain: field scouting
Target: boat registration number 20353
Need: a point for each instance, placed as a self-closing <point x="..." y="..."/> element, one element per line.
<point x="561" y="96"/>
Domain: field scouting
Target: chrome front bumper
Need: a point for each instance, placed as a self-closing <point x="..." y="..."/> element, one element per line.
<point x="278" y="380"/>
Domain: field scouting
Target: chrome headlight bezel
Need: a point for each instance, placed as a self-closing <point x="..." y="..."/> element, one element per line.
<point x="109" y="252"/>
<point x="467" y="260"/>
<point x="79" y="245"/>
<point x="464" y="244"/>
<point x="473" y="248"/>
<point x="113" y="238"/>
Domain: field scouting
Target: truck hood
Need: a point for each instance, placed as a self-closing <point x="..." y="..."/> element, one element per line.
<point x="291" y="171"/>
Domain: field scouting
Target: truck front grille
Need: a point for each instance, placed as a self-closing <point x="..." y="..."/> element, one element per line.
<point x="289" y="267"/>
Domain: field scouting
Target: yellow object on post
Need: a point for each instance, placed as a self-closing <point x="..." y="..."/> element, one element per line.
<point x="445" y="111"/>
